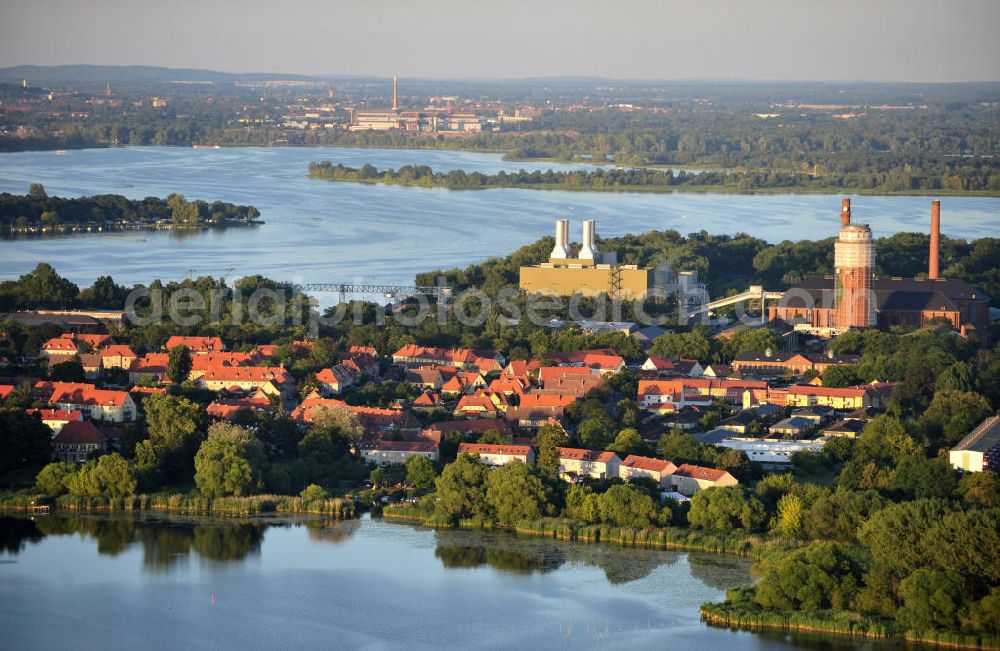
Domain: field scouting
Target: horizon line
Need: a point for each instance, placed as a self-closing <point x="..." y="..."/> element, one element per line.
<point x="327" y="76"/>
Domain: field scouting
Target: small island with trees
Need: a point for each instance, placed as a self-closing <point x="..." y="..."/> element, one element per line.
<point x="38" y="213"/>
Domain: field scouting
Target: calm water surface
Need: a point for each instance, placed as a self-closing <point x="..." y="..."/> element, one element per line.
<point x="117" y="582"/>
<point x="340" y="232"/>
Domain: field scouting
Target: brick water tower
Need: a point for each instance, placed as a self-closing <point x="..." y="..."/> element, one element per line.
<point x="854" y="271"/>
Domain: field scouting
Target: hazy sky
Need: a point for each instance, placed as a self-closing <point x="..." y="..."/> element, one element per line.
<point x="889" y="40"/>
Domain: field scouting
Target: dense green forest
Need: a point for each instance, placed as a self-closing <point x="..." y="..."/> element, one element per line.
<point x="37" y="211"/>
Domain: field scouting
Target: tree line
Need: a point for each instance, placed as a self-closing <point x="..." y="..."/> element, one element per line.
<point x="37" y="209"/>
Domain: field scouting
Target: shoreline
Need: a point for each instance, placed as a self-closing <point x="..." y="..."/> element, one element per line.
<point x="658" y="189"/>
<point x="131" y="228"/>
<point x="713" y="615"/>
<point x="665" y="538"/>
<point x="182" y="504"/>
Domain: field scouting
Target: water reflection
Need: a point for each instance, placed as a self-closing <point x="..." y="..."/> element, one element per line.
<point x="334" y="533"/>
<point x="165" y="543"/>
<point x="508" y="560"/>
<point x="510" y="553"/>
<point x="16" y="532"/>
<point x="715" y="570"/>
<point x="171" y="542"/>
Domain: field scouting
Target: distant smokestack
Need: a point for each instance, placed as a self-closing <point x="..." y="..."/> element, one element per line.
<point x="561" y="250"/>
<point x="394" y="104"/>
<point x="588" y="250"/>
<point x="932" y="268"/>
<point x="845" y="212"/>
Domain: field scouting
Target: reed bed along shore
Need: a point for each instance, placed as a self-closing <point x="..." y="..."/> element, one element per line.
<point x="563" y="529"/>
<point x="740" y="612"/>
<point x="188" y="504"/>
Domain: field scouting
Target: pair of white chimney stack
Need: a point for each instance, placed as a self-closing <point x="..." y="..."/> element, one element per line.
<point x="588" y="250"/>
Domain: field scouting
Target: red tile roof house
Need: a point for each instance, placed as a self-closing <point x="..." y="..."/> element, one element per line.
<point x="659" y="470"/>
<point x="426" y="401"/>
<point x="657" y="366"/>
<point x="521" y="368"/>
<point x="668" y="396"/>
<point x="604" y="364"/>
<point x="366" y="364"/>
<point x="197" y="345"/>
<point x="56" y="419"/>
<point x="150" y="365"/>
<point x="69" y="344"/>
<point x="654" y="393"/>
<point x="688" y="479"/>
<point x="77" y="440"/>
<point x="500" y="455"/>
<point x="374" y="419"/>
<point x="484" y="361"/>
<point x="92" y="364"/>
<point x="42" y="390"/>
<point x="478" y="405"/>
<point x="570" y="385"/>
<point x="384" y="452"/>
<point x="205" y="361"/>
<point x="575" y="463"/>
<point x="335" y="379"/>
<point x="429" y="378"/>
<point x="118" y="356"/>
<point x="227" y="409"/>
<point x="98" y="404"/>
<point x="509" y="385"/>
<point x="847" y="398"/>
<point x="464" y="382"/>
<point x="274" y="380"/>
<point x="604" y="361"/>
<point x="549" y="374"/>
<point x="60" y="349"/>
<point x="536" y="410"/>
<point x="6" y="390"/>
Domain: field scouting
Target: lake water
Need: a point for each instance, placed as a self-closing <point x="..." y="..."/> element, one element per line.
<point x="321" y="231"/>
<point x="99" y="582"/>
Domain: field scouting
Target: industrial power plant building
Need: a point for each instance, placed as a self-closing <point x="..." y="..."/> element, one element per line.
<point x="422" y="121"/>
<point x="588" y="273"/>
<point x="854" y="298"/>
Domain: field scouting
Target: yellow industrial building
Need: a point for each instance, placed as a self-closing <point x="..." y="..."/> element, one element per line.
<point x="589" y="273"/>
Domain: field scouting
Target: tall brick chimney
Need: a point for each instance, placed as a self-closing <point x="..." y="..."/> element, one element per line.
<point x="932" y="268"/>
<point x="845" y="212"/>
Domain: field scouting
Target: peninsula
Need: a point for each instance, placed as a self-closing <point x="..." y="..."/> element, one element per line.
<point x="638" y="179"/>
<point x="37" y="213"/>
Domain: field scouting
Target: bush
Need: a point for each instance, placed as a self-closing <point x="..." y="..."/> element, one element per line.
<point x="313" y="492"/>
<point x="53" y="478"/>
<point x="726" y="509"/>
